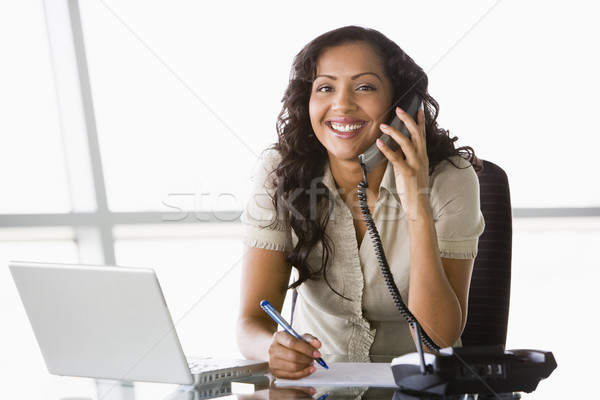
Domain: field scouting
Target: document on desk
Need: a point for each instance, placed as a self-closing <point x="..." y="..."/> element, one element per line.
<point x="346" y="374"/>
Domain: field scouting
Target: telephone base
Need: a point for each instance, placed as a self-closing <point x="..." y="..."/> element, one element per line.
<point x="474" y="369"/>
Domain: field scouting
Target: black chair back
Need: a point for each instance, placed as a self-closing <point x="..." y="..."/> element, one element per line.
<point x="489" y="296"/>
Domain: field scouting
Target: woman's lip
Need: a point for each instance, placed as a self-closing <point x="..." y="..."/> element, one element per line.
<point x="346" y="120"/>
<point x="346" y="134"/>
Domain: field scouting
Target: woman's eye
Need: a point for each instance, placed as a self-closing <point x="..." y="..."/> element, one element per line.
<point x="324" y="89"/>
<point x="365" y="88"/>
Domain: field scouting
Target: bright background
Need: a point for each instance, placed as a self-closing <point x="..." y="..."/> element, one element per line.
<point x="186" y="95"/>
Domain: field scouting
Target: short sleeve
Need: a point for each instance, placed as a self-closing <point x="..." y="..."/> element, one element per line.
<point x="455" y="204"/>
<point x="261" y="227"/>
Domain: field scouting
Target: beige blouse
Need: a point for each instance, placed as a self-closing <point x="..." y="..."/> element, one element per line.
<point x="367" y="322"/>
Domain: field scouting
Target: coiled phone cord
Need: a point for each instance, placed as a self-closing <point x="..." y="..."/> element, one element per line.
<point x="383" y="264"/>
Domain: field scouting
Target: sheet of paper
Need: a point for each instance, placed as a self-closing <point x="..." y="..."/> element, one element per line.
<point x="346" y="374"/>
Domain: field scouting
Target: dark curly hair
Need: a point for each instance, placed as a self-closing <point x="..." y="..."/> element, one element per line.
<point x="303" y="157"/>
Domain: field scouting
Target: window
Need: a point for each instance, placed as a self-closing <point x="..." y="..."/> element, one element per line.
<point x="32" y="168"/>
<point x="134" y="145"/>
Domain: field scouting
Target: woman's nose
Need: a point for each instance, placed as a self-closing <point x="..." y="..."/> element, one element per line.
<point x="344" y="101"/>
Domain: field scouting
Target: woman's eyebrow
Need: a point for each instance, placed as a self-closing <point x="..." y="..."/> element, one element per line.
<point x="353" y="77"/>
<point x="365" y="73"/>
<point x="333" y="78"/>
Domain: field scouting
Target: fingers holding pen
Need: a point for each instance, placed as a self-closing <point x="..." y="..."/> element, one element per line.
<point x="306" y="351"/>
<point x="293" y="358"/>
<point x="316" y="343"/>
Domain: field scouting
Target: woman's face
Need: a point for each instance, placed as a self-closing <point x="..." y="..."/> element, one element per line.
<point x="350" y="98"/>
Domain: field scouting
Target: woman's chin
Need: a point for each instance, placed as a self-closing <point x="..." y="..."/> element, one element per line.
<point x="344" y="157"/>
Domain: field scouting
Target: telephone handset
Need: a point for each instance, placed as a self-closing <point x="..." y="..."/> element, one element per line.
<point x="372" y="156"/>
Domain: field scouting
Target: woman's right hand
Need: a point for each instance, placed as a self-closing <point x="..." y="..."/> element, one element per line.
<point x="292" y="358"/>
<point x="265" y="276"/>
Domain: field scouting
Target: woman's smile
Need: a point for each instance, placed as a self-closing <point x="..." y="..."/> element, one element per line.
<point x="346" y="128"/>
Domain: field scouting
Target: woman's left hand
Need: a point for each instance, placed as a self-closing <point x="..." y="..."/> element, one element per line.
<point x="410" y="161"/>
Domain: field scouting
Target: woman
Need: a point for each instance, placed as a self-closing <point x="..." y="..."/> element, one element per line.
<point x="304" y="214"/>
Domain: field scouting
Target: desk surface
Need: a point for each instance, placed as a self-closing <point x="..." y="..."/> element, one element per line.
<point x="260" y="387"/>
<point x="41" y="385"/>
<point x="53" y="387"/>
<point x="65" y="388"/>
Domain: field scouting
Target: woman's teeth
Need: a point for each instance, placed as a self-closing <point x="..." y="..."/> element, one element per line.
<point x="345" y="127"/>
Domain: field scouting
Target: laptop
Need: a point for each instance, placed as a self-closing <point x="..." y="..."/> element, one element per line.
<point x="108" y="322"/>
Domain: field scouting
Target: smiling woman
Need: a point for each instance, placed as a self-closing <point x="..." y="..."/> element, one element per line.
<point x="162" y="150"/>
<point x="344" y="85"/>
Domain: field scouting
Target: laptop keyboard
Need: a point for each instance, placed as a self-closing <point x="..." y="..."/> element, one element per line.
<point x="197" y="368"/>
<point x="210" y="370"/>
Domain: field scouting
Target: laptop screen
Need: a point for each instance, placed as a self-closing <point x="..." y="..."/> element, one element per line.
<point x="101" y="322"/>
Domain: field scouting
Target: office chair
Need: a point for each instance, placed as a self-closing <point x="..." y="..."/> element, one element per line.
<point x="489" y="296"/>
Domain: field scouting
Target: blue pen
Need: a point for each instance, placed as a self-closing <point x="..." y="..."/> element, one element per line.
<point x="288" y="328"/>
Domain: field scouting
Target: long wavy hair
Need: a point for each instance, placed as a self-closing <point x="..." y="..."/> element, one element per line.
<point x="303" y="157"/>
